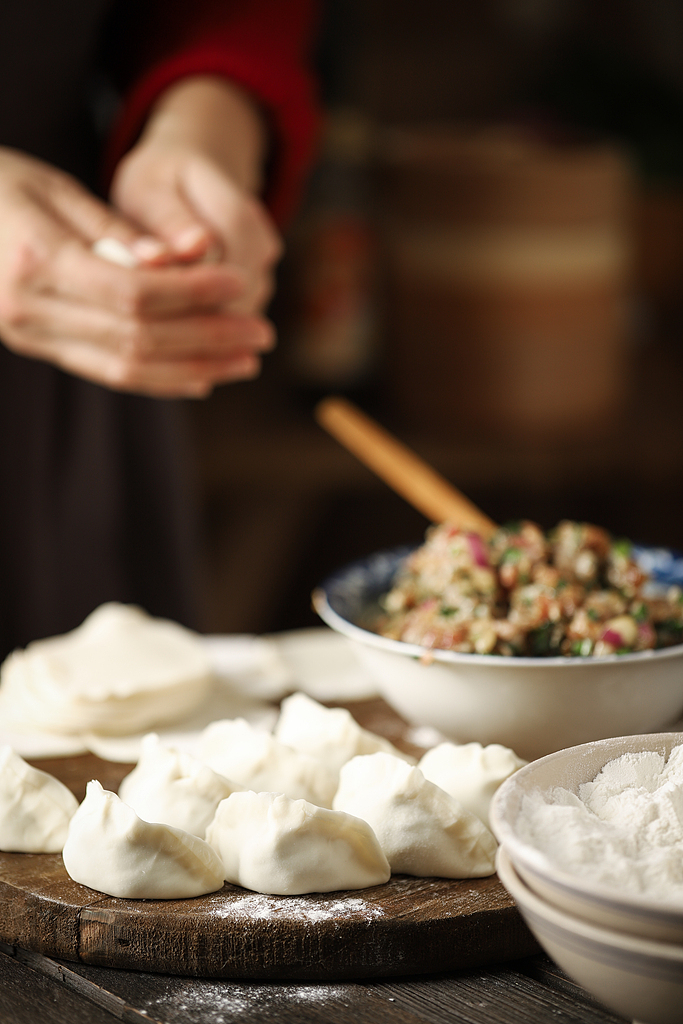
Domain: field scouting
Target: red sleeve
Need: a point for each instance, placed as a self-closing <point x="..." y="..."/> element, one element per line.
<point x="261" y="45"/>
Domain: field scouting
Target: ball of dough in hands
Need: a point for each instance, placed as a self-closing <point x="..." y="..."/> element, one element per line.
<point x="110" y="849"/>
<point x="35" y="808"/>
<point x="174" y="788"/>
<point x="257" y="760"/>
<point x="330" y="734"/>
<point x="272" y="844"/>
<point x="422" y="830"/>
<point x="470" y="772"/>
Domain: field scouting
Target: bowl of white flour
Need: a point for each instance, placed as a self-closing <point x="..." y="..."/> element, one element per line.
<point x="639" y="978"/>
<point x="597" y="831"/>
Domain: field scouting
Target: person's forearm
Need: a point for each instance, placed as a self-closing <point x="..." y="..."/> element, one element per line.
<point x="214" y="116"/>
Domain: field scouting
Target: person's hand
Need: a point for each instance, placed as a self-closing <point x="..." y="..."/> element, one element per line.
<point x="192" y="182"/>
<point x="157" y="330"/>
<point x="187" y="200"/>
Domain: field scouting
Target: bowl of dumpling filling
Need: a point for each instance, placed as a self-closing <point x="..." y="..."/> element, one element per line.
<point x="535" y="640"/>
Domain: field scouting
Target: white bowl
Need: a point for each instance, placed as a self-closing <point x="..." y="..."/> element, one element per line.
<point x="575" y="894"/>
<point x="534" y="705"/>
<point x="638" y="978"/>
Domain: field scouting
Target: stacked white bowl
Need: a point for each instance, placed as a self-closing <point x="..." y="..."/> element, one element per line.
<point x="626" y="948"/>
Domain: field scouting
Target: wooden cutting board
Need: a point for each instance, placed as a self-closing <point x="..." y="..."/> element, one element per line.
<point x="408" y="926"/>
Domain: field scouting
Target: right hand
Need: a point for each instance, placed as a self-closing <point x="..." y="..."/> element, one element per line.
<point x="160" y="330"/>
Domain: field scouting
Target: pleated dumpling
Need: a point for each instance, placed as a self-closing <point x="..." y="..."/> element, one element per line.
<point x="330" y="734"/>
<point x="35" y="807"/>
<point x="272" y="844"/>
<point x="422" y="830"/>
<point x="259" y="761"/>
<point x="111" y="849"/>
<point x="172" y="787"/>
<point x="470" y="772"/>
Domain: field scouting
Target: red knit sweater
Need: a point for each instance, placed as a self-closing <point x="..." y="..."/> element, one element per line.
<point x="261" y="45"/>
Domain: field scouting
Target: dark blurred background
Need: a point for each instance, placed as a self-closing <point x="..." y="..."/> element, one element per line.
<point x="489" y="259"/>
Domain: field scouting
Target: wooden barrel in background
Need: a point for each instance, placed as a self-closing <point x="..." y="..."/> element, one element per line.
<point x="507" y="277"/>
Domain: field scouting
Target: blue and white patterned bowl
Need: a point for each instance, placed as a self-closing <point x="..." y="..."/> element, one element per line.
<point x="534" y="705"/>
<point x="664" y="566"/>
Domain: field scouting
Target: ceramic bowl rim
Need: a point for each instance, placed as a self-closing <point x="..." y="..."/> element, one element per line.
<point x="567" y="922"/>
<point x="323" y="606"/>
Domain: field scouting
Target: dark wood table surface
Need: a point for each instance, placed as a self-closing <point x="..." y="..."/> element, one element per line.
<point x="35" y="989"/>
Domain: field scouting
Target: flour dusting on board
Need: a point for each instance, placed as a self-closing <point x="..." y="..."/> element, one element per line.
<point x="258" y="906"/>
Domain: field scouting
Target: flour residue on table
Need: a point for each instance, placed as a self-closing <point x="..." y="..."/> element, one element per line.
<point x="227" y="1000"/>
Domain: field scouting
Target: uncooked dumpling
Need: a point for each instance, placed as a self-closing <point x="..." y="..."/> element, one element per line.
<point x="331" y="734"/>
<point x="272" y="844"/>
<point x="35" y="808"/>
<point x="119" y="672"/>
<point x="422" y="830"/>
<point x="172" y="787"/>
<point x="469" y="772"/>
<point x="260" y="762"/>
<point x="111" y="849"/>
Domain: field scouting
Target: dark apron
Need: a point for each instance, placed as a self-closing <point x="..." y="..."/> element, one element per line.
<point x="93" y="500"/>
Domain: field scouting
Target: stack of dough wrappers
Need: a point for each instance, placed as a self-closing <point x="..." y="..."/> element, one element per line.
<point x="120" y="672"/>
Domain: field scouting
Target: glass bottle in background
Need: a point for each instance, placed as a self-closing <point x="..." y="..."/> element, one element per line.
<point x="331" y="333"/>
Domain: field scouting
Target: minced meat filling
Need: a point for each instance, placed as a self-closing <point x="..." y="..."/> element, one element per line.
<point x="574" y="591"/>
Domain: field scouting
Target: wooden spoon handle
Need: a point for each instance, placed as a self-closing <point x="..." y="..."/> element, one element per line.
<point x="400" y="467"/>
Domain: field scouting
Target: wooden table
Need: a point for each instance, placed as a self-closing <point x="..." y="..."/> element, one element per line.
<point x="35" y="989"/>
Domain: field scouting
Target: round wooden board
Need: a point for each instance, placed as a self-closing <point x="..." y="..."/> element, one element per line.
<point x="408" y="926"/>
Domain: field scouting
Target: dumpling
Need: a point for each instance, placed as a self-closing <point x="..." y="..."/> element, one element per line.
<point x="260" y="762"/>
<point x="35" y="808"/>
<point x="470" y="773"/>
<point x="422" y="830"/>
<point x="272" y="844"/>
<point x="172" y="787"/>
<point x="331" y="734"/>
<point x="111" y="849"/>
<point x="121" y="671"/>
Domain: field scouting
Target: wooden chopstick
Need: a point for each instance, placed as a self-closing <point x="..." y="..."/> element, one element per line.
<point x="399" y="467"/>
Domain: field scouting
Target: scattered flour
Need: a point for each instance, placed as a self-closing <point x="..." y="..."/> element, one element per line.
<point x="623" y="830"/>
<point x="258" y="906"/>
<point x="224" y="1001"/>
